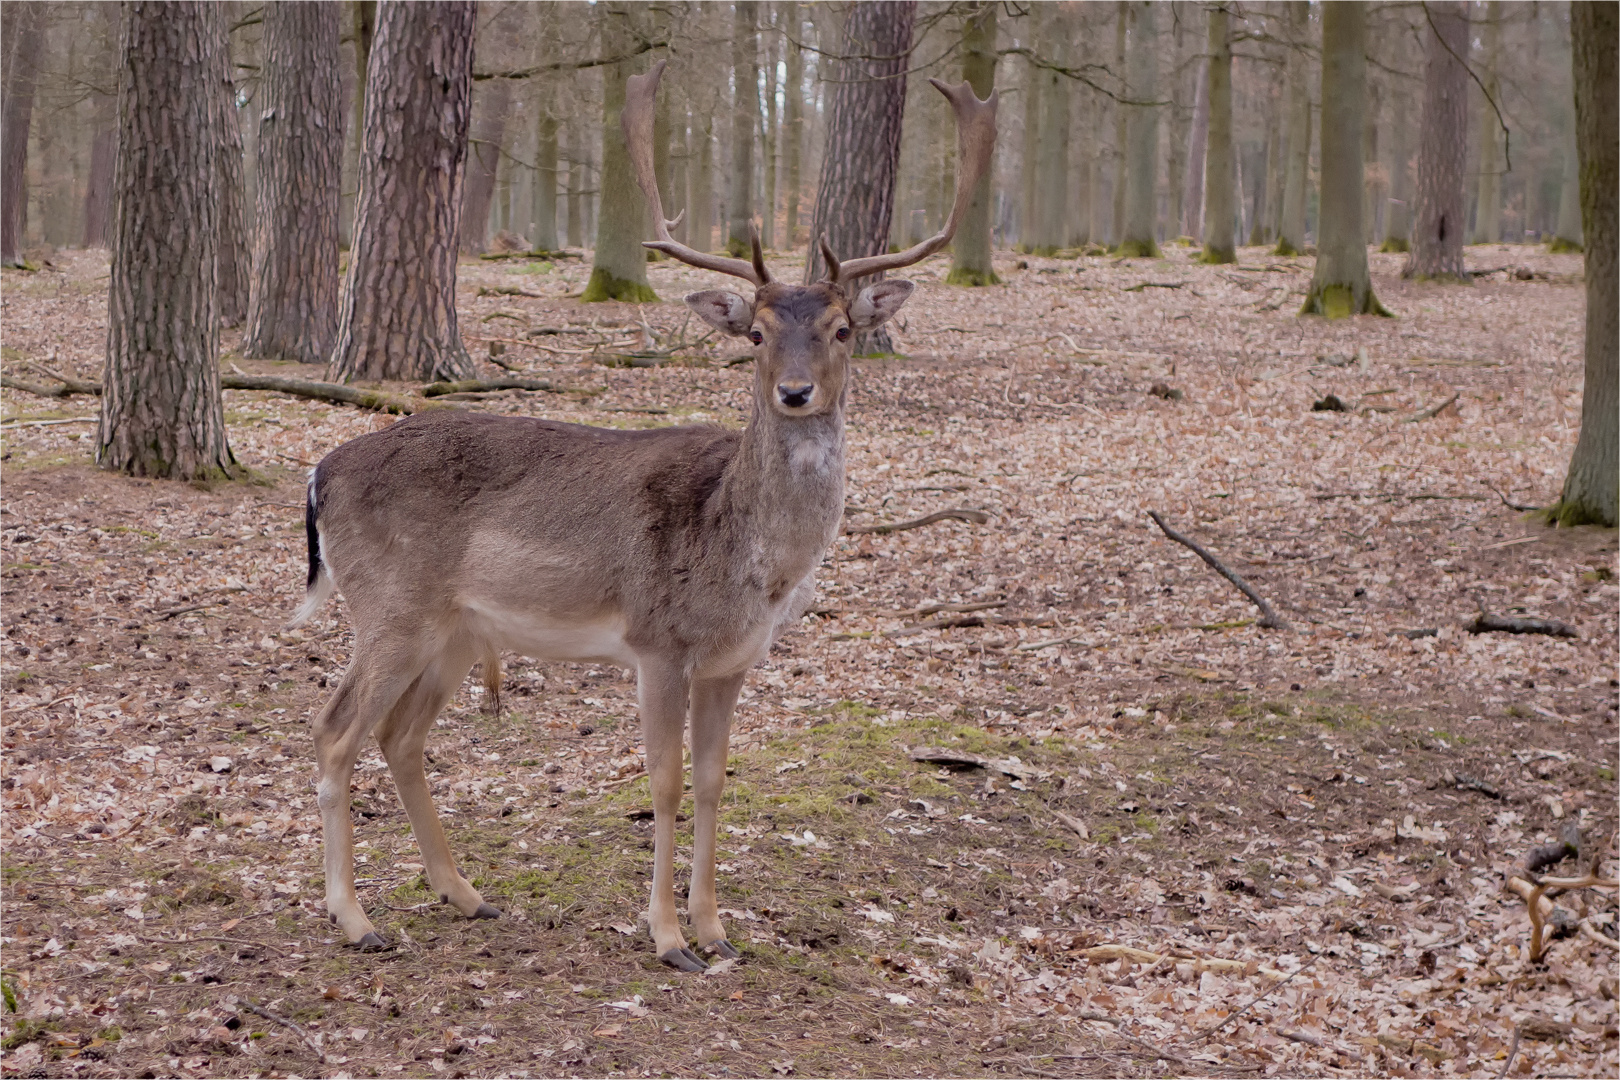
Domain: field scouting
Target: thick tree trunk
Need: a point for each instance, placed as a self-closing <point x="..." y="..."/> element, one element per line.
<point x="1142" y="169"/>
<point x="1297" y="168"/>
<point x="1265" y="220"/>
<point x="292" y="305"/>
<point x="1342" y="284"/>
<point x="744" y="126"/>
<point x="362" y="17"/>
<point x="701" y="214"/>
<point x="1052" y="140"/>
<point x="494" y="101"/>
<point x="98" y="190"/>
<point x="1029" y="190"/>
<point x="970" y="259"/>
<point x="544" y="210"/>
<point x="1593" y="485"/>
<point x="1192" y="188"/>
<point x="1398" y="212"/>
<point x="161" y="412"/>
<point x="1488" y="212"/>
<point x="398" y="314"/>
<point x="1567" y="233"/>
<point x="855" y="198"/>
<point x="1175" y="159"/>
<point x="1219" y="206"/>
<point x="620" y="269"/>
<point x="24" y="34"/>
<point x="1440" y="223"/>
<point x="235" y="255"/>
<point x="793" y="128"/>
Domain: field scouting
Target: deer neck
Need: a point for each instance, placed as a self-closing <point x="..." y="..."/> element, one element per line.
<point x="790" y="472"/>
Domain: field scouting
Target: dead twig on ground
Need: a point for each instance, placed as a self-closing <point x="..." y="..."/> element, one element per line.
<point x="259" y="1010"/>
<point x="228" y="940"/>
<point x="1268" y="619"/>
<point x="1507" y="502"/>
<point x="507" y="290"/>
<point x="1516" y="624"/>
<point x="1513" y="1051"/>
<point x="472" y="386"/>
<point x="935" y="609"/>
<point x="975" y="517"/>
<point x="1154" y="285"/>
<point x="1204" y="1036"/>
<point x="1432" y="411"/>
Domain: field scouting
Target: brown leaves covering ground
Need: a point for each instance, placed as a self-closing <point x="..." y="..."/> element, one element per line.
<point x="1281" y="798"/>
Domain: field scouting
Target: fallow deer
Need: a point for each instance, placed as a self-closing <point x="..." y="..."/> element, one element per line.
<point x="680" y="553"/>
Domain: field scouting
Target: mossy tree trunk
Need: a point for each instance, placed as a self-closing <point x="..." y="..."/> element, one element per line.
<point x="1567" y="234"/>
<point x="161" y="411"/>
<point x="1140" y="236"/>
<point x="397" y="318"/>
<point x="1219" y="243"/>
<point x="1488" y="205"/>
<point x="1342" y="284"/>
<point x="1440" y="224"/>
<point x="292" y="302"/>
<point x="1592" y="486"/>
<point x="970" y="261"/>
<point x="1296" y="170"/>
<point x="544" y="196"/>
<point x="1052" y="138"/>
<point x="620" y="269"/>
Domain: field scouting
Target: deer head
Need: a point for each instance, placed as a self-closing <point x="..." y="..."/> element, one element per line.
<point x="804" y="333"/>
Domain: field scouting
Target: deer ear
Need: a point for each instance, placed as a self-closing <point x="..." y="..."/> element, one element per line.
<point x="725" y="311"/>
<point x="878" y="303"/>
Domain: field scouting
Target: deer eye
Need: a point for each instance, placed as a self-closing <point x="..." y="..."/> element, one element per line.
<point x="756" y="337"/>
<point x="843" y="333"/>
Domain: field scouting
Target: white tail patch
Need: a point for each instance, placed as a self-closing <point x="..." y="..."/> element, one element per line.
<point x="317" y="595"/>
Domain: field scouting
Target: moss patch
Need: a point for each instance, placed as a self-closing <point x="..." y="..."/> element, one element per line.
<point x="604" y="286"/>
<point x="961" y="275"/>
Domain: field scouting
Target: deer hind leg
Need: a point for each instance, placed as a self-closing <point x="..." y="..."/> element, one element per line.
<point x="713" y="701"/>
<point x="662" y="689"/>
<point x="365" y="695"/>
<point x="403" y="736"/>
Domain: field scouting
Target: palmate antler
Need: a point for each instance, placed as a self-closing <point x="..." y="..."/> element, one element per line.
<point x="975" y="144"/>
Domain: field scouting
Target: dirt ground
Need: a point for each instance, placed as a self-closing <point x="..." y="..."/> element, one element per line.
<point x="1332" y="809"/>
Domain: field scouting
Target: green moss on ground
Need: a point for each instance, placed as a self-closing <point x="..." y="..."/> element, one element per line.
<point x="1214" y="256"/>
<point x="1285" y="249"/>
<point x="1568" y="513"/>
<point x="1338" y="301"/>
<point x="1137" y="249"/>
<point x="1560" y="246"/>
<point x="1396" y="245"/>
<point x="961" y="275"/>
<point x="604" y="286"/>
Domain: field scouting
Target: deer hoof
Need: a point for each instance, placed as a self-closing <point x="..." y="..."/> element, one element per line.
<point x="724" y="949"/>
<point x="683" y="960"/>
<point x="372" y="942"/>
<point x="487" y="911"/>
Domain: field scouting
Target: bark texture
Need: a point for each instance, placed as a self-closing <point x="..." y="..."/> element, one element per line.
<point x="970" y="261"/>
<point x="1488" y="205"/>
<point x="483" y="163"/>
<point x="292" y="305"/>
<point x="620" y="269"/>
<point x="24" y="35"/>
<point x="98" y="191"/>
<point x="544" y="209"/>
<point x="1296" y="170"/>
<point x="1593" y="485"/>
<point x="235" y="258"/>
<point x="161" y="412"/>
<point x="1342" y="284"/>
<point x="1142" y="168"/>
<point x="744" y="127"/>
<point x="1192" y="196"/>
<point x="793" y="124"/>
<point x="855" y="197"/>
<point x="1051" y="140"/>
<point x="1567" y="233"/>
<point x="1219" y="206"/>
<point x="1440" y="224"/>
<point x="1116" y="221"/>
<point x="398" y="314"/>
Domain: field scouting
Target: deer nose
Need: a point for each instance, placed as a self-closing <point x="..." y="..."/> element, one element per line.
<point x="794" y="395"/>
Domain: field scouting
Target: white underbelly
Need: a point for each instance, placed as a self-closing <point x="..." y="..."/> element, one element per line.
<point x="549" y="638"/>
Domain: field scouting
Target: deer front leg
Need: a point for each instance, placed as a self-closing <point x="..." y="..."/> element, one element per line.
<point x="662" y="688"/>
<point x="713" y="701"/>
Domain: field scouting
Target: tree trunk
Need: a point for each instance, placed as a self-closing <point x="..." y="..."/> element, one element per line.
<point x="744" y="126"/>
<point x="1265" y="218"/>
<point x="1488" y="214"/>
<point x="1142" y="170"/>
<point x="772" y="144"/>
<point x="1219" y="208"/>
<point x="1029" y="189"/>
<point x="235" y="257"/>
<point x="1341" y="284"/>
<point x="1567" y="234"/>
<point x="1116" y="224"/>
<point x="1441" y="220"/>
<point x="793" y="129"/>
<point x="24" y="34"/>
<point x="544" y="210"/>
<point x="363" y="27"/>
<point x="1297" y="169"/>
<point x="1398" y="213"/>
<point x="1192" y="187"/>
<point x="98" y="190"/>
<point x="1593" y="484"/>
<point x="702" y="207"/>
<point x="1052" y="140"/>
<point x="620" y="269"/>
<point x="398" y="314"/>
<point x="161" y="412"/>
<point x="292" y="305"/>
<point x="1175" y="162"/>
<point x="970" y="258"/>
<point x="483" y="163"/>
<point x="576" y="187"/>
<point x="855" y="198"/>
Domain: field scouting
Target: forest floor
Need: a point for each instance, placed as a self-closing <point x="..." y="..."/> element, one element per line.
<point x="1333" y="809"/>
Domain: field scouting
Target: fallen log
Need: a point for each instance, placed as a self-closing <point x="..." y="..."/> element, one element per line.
<point x="380" y="400"/>
<point x="976" y="517"/>
<point x="934" y="755"/>
<point x="1515" y="624"/>
<point x="472" y="386"/>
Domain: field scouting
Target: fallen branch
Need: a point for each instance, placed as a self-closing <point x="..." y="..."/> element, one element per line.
<point x="8" y="425"/>
<point x="1207" y="1032"/>
<point x="1155" y="285"/>
<point x="1268" y="619"/>
<point x="537" y="253"/>
<point x="1514" y="624"/>
<point x="935" y="609"/>
<point x="1596" y="936"/>
<point x="934" y="755"/>
<point x="1073" y="823"/>
<point x="258" y="1010"/>
<point x="1507" y="502"/>
<point x="976" y="517"/>
<point x="1102" y="954"/>
<point x="380" y="400"/>
<point x="470" y="386"/>
<point x="507" y="290"/>
<point x="1432" y="411"/>
<point x="11" y="382"/>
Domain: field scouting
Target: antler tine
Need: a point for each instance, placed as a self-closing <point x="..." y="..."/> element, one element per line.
<point x="637" y="120"/>
<point x="760" y="270"/>
<point x="975" y="144"/>
<point x="827" y="256"/>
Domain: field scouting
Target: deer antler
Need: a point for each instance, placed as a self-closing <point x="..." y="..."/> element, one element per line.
<point x="637" y="120"/>
<point x="975" y="143"/>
